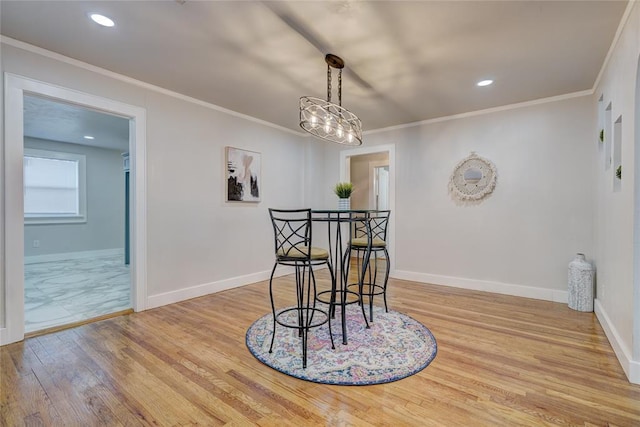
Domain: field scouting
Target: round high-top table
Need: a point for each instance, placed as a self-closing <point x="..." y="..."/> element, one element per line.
<point x="339" y="255"/>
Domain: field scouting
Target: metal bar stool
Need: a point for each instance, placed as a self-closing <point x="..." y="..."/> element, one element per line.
<point x="292" y="236"/>
<point x="339" y="293"/>
<point x="370" y="237"/>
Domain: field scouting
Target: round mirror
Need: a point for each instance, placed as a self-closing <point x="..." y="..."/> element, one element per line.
<point x="473" y="178"/>
<point x="472" y="175"/>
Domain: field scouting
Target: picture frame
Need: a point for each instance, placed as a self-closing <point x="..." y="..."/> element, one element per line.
<point x="243" y="175"/>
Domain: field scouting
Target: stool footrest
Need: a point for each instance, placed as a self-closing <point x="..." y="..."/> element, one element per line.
<point x="337" y="302"/>
<point x="377" y="289"/>
<point x="324" y="317"/>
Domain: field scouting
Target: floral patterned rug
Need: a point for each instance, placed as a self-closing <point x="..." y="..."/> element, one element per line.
<point x="394" y="347"/>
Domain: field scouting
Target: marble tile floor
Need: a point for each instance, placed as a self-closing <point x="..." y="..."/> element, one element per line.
<point x="61" y="292"/>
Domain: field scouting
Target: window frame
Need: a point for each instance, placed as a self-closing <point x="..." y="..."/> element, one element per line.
<point x="82" y="188"/>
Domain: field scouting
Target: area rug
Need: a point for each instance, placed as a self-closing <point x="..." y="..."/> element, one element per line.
<point x="394" y="347"/>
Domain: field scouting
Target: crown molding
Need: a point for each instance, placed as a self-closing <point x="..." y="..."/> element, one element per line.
<point x="485" y="111"/>
<point x="62" y="58"/>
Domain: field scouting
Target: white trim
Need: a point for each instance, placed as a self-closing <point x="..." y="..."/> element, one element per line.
<point x="631" y="367"/>
<point x="15" y="88"/>
<point x="545" y="294"/>
<point x="58" y="57"/>
<point x="345" y="175"/>
<point x="209" y="288"/>
<point x="485" y="111"/>
<point x="614" y="42"/>
<point x="13" y="214"/>
<point x="138" y="207"/>
<point x="35" y="259"/>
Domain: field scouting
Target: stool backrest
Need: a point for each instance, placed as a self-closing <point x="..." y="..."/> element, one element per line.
<point x="378" y="221"/>
<point x="292" y="233"/>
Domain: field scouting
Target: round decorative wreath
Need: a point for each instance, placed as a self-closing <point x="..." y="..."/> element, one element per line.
<point x="473" y="178"/>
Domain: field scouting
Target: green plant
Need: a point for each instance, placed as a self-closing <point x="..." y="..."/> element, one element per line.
<point x="343" y="190"/>
<point x="619" y="172"/>
<point x="601" y="135"/>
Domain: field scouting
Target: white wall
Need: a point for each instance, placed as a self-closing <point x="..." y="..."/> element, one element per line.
<point x="195" y="237"/>
<point x="617" y="304"/>
<point x="104" y="228"/>
<point x="520" y="239"/>
<point x="196" y="242"/>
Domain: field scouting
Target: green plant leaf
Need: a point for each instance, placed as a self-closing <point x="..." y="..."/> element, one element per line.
<point x="343" y="190"/>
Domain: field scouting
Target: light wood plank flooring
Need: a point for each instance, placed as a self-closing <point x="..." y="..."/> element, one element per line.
<point x="502" y="361"/>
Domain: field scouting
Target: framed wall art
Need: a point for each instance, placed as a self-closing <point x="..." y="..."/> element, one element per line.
<point x="243" y="175"/>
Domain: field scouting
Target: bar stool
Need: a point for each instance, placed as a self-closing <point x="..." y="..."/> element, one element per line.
<point x="340" y="295"/>
<point x="370" y="237"/>
<point x="293" y="248"/>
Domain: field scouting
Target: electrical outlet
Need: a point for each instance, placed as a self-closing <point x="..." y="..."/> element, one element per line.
<point x="36" y="243"/>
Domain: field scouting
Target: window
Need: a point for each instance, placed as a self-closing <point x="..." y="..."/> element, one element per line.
<point x="54" y="187"/>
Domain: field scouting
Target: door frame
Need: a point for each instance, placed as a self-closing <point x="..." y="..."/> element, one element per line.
<point x="12" y="293"/>
<point x="345" y="175"/>
<point x="373" y="166"/>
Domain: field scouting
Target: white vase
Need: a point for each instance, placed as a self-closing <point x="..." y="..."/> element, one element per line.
<point x="344" y="204"/>
<point x="581" y="274"/>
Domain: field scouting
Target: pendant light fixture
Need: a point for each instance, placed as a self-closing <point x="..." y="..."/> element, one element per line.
<point x="327" y="120"/>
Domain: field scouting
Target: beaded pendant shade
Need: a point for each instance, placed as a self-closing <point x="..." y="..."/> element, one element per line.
<point x="329" y="121"/>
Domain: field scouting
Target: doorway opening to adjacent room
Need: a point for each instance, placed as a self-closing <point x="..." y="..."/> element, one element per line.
<point x="18" y="91"/>
<point x="76" y="197"/>
<point x="372" y="171"/>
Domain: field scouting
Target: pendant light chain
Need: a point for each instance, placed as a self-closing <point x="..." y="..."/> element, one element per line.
<point x="340" y="87"/>
<point x="328" y="83"/>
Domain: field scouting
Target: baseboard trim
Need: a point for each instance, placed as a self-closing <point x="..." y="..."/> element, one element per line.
<point x="554" y="295"/>
<point x="630" y="367"/>
<point x="172" y="297"/>
<point x="73" y="255"/>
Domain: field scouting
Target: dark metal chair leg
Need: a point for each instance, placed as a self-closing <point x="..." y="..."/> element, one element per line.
<point x="331" y="303"/>
<point x="386" y="279"/>
<point x="361" y="277"/>
<point x="273" y="306"/>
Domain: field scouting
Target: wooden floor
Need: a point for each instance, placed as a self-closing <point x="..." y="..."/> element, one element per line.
<point x="502" y="361"/>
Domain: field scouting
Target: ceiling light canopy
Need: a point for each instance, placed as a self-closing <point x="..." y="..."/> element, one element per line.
<point x="485" y="82"/>
<point x="327" y="120"/>
<point x="102" y="20"/>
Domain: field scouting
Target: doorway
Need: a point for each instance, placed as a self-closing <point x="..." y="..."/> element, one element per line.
<point x="12" y="328"/>
<point x="369" y="174"/>
<point x="372" y="170"/>
<point x="75" y="200"/>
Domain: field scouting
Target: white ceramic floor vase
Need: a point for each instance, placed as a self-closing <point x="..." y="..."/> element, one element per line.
<point x="581" y="274"/>
<point x="344" y="204"/>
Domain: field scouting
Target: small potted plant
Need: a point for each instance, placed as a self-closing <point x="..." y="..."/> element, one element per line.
<point x="619" y="172"/>
<point x="601" y="135"/>
<point x="343" y="190"/>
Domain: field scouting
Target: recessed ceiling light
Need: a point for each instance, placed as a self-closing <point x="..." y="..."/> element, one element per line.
<point x="102" y="20"/>
<point x="88" y="137"/>
<point x="484" y="82"/>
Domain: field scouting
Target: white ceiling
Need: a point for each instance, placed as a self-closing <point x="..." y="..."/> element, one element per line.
<point x="406" y="61"/>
